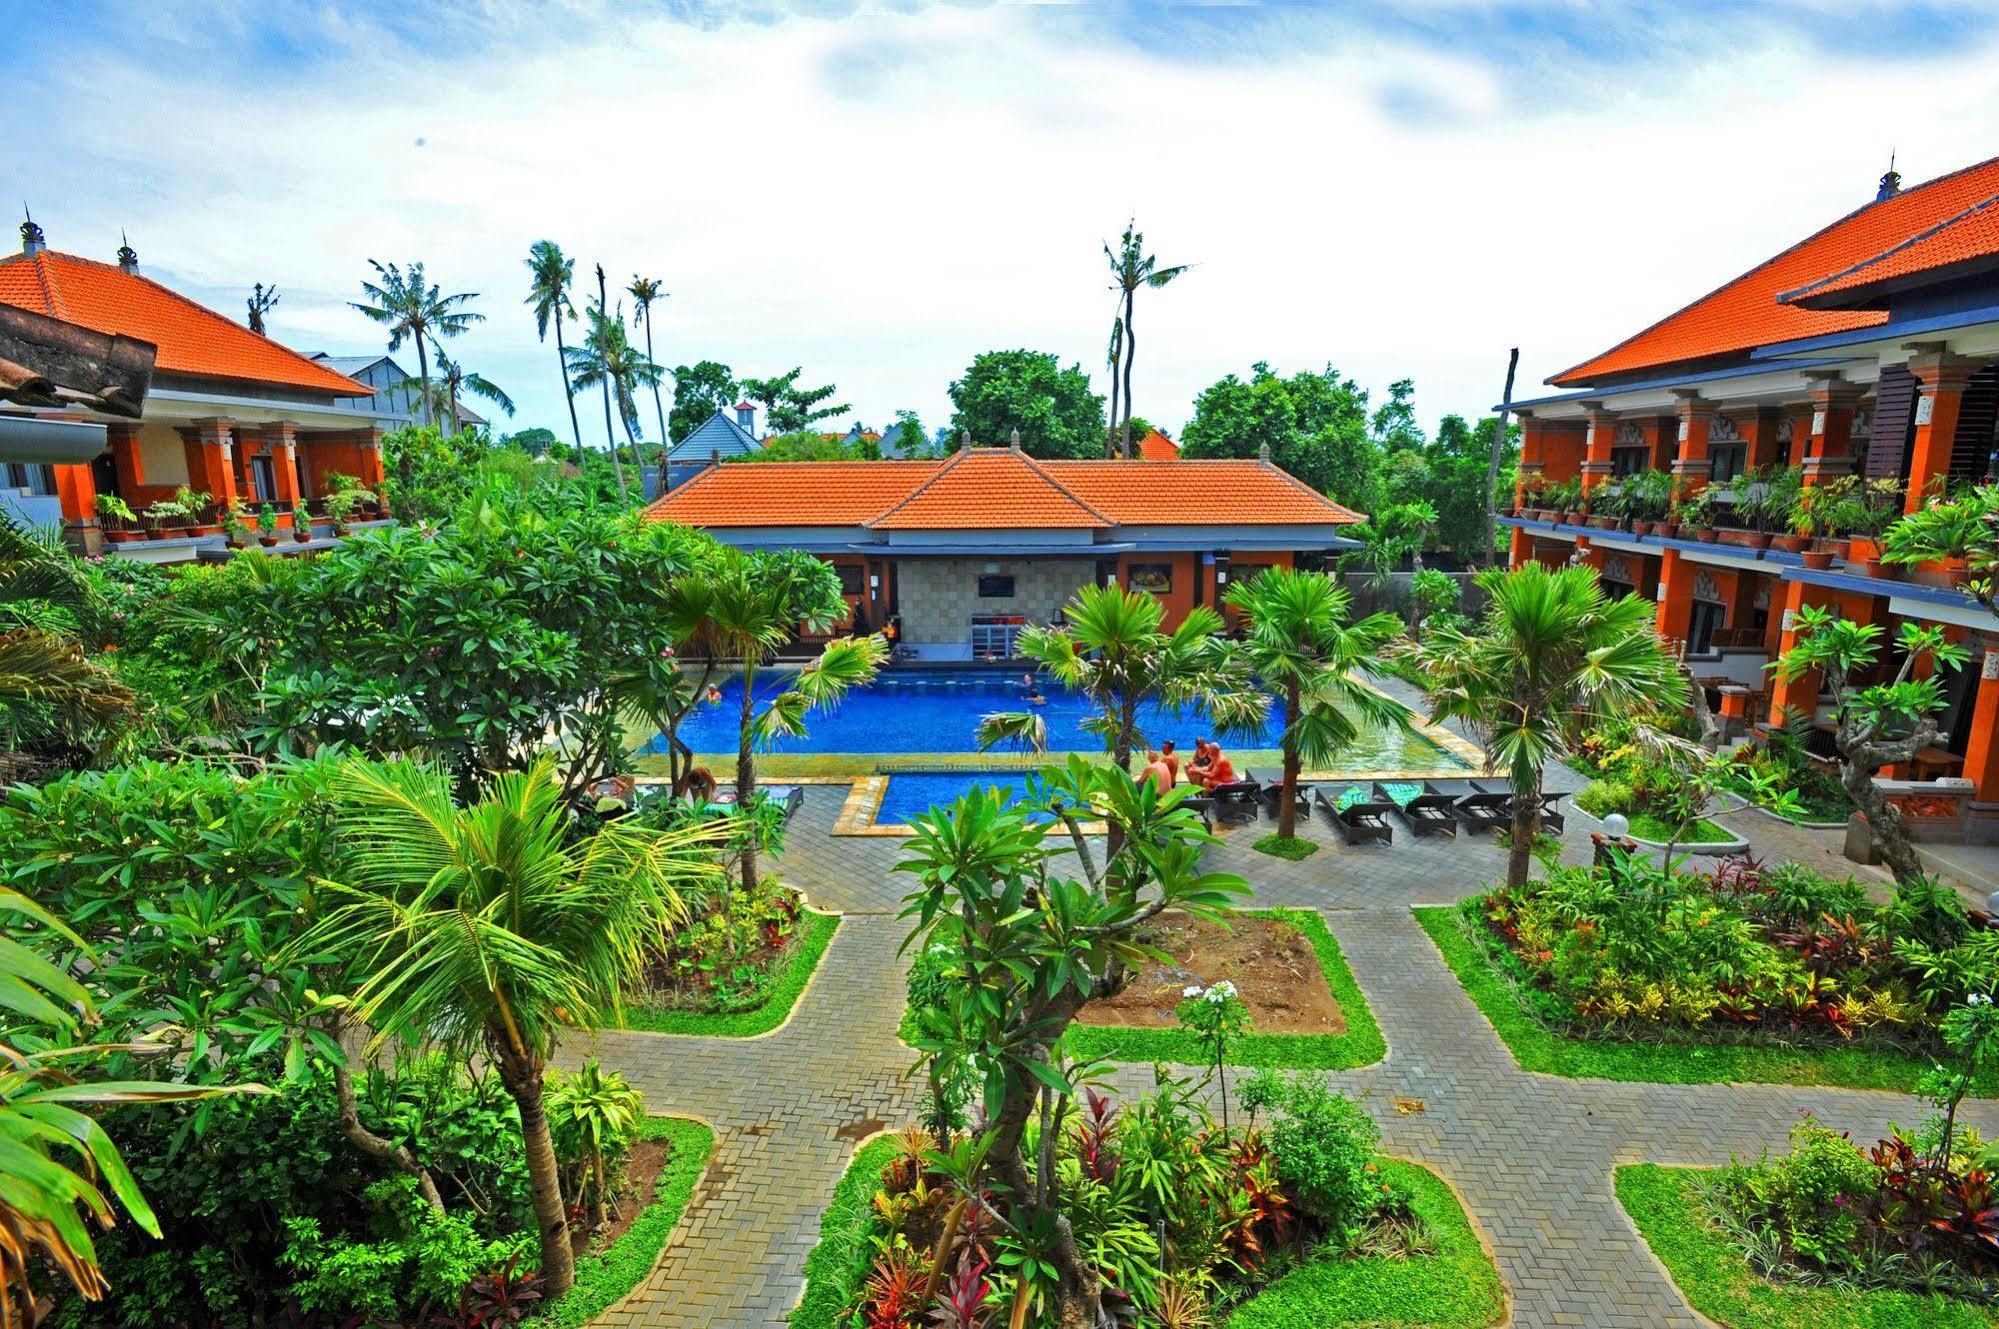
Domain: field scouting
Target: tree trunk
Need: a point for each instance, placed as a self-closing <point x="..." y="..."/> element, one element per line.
<point x="658" y="407"/>
<point x="634" y="444"/>
<point x="1526" y="823"/>
<point x="522" y="1078"/>
<point x="1287" y="802"/>
<point x="1486" y="555"/>
<point x="610" y="435"/>
<point x="568" y="393"/>
<point x="1117" y="366"/>
<point x="423" y="374"/>
<point x="1130" y="354"/>
<point x="746" y="772"/>
<point x="600" y="1210"/>
<point x="374" y="1146"/>
<point x="1884" y="820"/>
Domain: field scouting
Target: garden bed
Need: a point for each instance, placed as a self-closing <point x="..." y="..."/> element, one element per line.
<point x="1715" y="1278"/>
<point x="1270" y="962"/>
<point x="632" y="1247"/>
<point x="1500" y="987"/>
<point x="787" y="970"/>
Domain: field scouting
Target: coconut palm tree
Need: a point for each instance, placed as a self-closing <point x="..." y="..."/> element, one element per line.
<point x="548" y="296"/>
<point x="454" y="380"/>
<point x="746" y="607"/>
<point x="1300" y="643"/>
<point x="402" y="303"/>
<point x="1111" y="359"/>
<point x="491" y="929"/>
<point x="645" y="290"/>
<point x="608" y="358"/>
<point x="1131" y="268"/>
<point x="1551" y="653"/>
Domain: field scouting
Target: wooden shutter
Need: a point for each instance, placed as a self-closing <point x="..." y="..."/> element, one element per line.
<point x="1894" y="424"/>
<point x="1971" y="450"/>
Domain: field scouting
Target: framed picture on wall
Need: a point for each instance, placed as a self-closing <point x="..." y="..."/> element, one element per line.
<point x="1152" y="578"/>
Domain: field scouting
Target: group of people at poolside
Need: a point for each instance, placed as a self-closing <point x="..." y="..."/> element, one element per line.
<point x="1209" y="768"/>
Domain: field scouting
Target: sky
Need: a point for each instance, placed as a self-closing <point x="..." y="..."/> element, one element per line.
<point x="880" y="192"/>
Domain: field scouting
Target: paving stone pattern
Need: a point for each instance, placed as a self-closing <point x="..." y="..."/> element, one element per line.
<point x="1531" y="1155"/>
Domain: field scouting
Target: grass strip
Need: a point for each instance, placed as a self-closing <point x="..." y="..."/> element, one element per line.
<point x="838" y="1263"/>
<point x="807" y="949"/>
<point x="1712" y="1274"/>
<point x="1647" y="826"/>
<point x="1456" y="1288"/>
<point x="603" y="1277"/>
<point x="1294" y="848"/>
<point x="1495" y="981"/>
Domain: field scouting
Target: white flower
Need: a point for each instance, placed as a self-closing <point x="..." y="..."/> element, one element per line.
<point x="1221" y="991"/>
<point x="1191" y="990"/>
<point x="1977" y="999"/>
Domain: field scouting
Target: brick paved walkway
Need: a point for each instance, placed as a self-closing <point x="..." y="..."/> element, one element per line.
<point x="1532" y="1155"/>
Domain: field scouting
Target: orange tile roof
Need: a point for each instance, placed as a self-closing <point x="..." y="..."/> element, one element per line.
<point x="791" y="493"/>
<point x="998" y="489"/>
<point x="192" y="338"/>
<point x="1155" y="446"/>
<point x="1745" y="313"/>
<point x="1217" y="492"/>
<point x="1969" y="236"/>
<point x="990" y="489"/>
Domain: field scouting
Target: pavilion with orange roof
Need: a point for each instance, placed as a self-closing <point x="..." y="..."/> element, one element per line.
<point x="961" y="553"/>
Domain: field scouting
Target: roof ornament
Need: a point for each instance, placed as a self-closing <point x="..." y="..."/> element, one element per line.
<point x="1263" y="453"/>
<point x="1014" y="442"/>
<point x="964" y="440"/>
<point x="128" y="257"/>
<point x="1891" y="183"/>
<point x="32" y="239"/>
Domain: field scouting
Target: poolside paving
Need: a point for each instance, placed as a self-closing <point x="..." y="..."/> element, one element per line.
<point x="1532" y="1155"/>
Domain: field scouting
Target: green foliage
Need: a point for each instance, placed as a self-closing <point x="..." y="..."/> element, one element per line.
<point x="809" y="445"/>
<point x="603" y="1277"/>
<point x="593" y="1114"/>
<point x="1315" y="425"/>
<point x="1294" y="848"/>
<point x="776" y="997"/>
<point x="1324" y="1144"/>
<point x="1432" y="592"/>
<point x="1052" y="407"/>
<point x="699" y="391"/>
<point x="788" y="408"/>
<point x="1811" y="1196"/>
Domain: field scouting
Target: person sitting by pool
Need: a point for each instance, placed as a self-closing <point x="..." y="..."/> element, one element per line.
<point x="1197" y="769"/>
<point x="1172" y="760"/>
<point x="1157" y="771"/>
<point x="1220" y="769"/>
<point x="1034" y="697"/>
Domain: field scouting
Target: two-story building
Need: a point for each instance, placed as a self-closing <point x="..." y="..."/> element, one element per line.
<point x="1793" y="413"/>
<point x="962" y="553"/>
<point x="231" y="414"/>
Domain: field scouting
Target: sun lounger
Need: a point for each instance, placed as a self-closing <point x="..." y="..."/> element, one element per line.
<point x="1552" y="820"/>
<point x="1236" y="801"/>
<point x="1485" y="810"/>
<point x="1272" y="791"/>
<point x="1427" y="812"/>
<point x="1203" y="804"/>
<point x="790" y="797"/>
<point x="1358" y="820"/>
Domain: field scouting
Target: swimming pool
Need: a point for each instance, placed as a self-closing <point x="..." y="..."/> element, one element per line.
<point x="938" y="711"/>
<point x="915" y="792"/>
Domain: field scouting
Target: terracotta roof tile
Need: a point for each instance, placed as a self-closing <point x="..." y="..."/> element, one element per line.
<point x="1155" y="446"/>
<point x="792" y="493"/>
<point x="1745" y="313"/>
<point x="1198" y="493"/>
<point x="1970" y="235"/>
<point x="990" y="489"/>
<point x="192" y="338"/>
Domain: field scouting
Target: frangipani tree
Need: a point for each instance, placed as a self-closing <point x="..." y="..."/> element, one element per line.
<point x="1301" y="643"/>
<point x="1881" y="723"/>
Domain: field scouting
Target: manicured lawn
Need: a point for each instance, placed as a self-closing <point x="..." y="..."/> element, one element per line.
<point x="838" y="1264"/>
<point x="1712" y="1274"/>
<point x="1490" y="980"/>
<point x="1457" y="1288"/>
<point x="1361" y="1045"/>
<point x="1648" y="827"/>
<point x="814" y="935"/>
<point x="1294" y="848"/>
<point x="605" y="1276"/>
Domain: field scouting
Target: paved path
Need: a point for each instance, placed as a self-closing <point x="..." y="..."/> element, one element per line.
<point x="1532" y="1155"/>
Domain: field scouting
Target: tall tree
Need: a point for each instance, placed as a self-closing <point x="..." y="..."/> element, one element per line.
<point x="1301" y="643"/>
<point x="262" y="300"/>
<point x="644" y="291"/>
<point x="548" y="295"/>
<point x="1132" y="268"/>
<point x="608" y="359"/>
<point x="1113" y="357"/>
<point x="1052" y="407"/>
<point x="1315" y="425"/>
<point x="492" y="929"/>
<point x="1394" y="424"/>
<point x="699" y="390"/>
<point x="454" y="380"/>
<point x="1550" y="651"/>
<point x="789" y="408"/>
<point x="409" y="309"/>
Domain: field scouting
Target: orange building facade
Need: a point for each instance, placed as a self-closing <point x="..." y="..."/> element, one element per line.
<point x="955" y="557"/>
<point x="231" y="415"/>
<point x="1861" y="365"/>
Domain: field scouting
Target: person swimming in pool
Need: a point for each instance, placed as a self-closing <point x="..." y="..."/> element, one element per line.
<point x="1034" y="697"/>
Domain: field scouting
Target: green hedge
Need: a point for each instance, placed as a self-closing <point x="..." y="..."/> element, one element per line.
<point x="605" y="1276"/>
<point x="1491" y="977"/>
<point x="838" y="1264"/>
<point x="808" y="947"/>
<point x="1716" y="1279"/>
<point x="1457" y="1288"/>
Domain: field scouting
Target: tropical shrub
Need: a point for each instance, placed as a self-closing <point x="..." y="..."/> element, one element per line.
<point x="730" y="953"/>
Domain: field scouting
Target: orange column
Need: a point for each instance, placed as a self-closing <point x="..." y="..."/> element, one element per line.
<point x="130" y="467"/>
<point x="1533" y="442"/>
<point x="1800" y="422"/>
<point x="1660" y="433"/>
<point x="1676" y="595"/>
<point x="280" y="440"/>
<point x="1761" y="444"/>
<point x="76" y="490"/>
<point x="1801" y="693"/>
<point x="371" y="463"/>
<point x="1828" y="455"/>
<point x="1596" y="448"/>
<point x="1981" y="757"/>
<point x="1692" y="467"/>
<point x="1943" y="380"/>
<point x="207" y="450"/>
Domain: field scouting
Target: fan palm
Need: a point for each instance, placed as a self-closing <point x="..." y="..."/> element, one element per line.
<point x="1131" y="268"/>
<point x="411" y="310"/>
<point x="746" y="607"/>
<point x="1300" y="643"/>
<point x="548" y="296"/>
<point x="49" y="690"/>
<point x="645" y="290"/>
<point x="1550" y="653"/>
<point x="490" y="929"/>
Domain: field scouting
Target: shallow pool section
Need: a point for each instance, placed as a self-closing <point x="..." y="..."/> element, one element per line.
<point x="912" y="793"/>
<point x="938" y="711"/>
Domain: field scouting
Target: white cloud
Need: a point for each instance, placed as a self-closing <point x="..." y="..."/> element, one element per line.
<point x="882" y="195"/>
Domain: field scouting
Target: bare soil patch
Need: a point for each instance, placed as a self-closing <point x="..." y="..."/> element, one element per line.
<point x="1273" y="967"/>
<point x="647" y="1159"/>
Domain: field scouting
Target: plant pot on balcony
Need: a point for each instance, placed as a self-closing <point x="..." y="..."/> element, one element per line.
<point x="1817" y="558"/>
<point x="1640" y="526"/>
<point x="303" y="534"/>
<point x="1668" y="529"/>
<point x="1706" y="535"/>
<point x="122" y="535"/>
<point x="267" y="541"/>
<point x="1603" y="523"/>
<point x="1790" y="544"/>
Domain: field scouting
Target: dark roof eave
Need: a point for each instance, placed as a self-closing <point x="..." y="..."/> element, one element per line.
<point x="1783" y="350"/>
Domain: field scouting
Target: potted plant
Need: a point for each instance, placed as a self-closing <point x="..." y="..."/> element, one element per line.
<point x="1695" y="515"/>
<point x="1818" y="512"/>
<point x="167" y="517"/>
<point x="347" y="497"/>
<point x="1648" y="496"/>
<point x="1606" y="507"/>
<point x="1878" y="506"/>
<point x="201" y="517"/>
<point x="267" y="526"/>
<point x="1564" y="499"/>
<point x="117" y="518"/>
<point x="234" y="527"/>
<point x="301" y="523"/>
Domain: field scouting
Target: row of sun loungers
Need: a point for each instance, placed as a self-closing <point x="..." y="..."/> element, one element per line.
<point x="1362" y="815"/>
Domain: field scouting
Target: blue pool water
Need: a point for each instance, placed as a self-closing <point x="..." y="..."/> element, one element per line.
<point x="939" y="711"/>
<point x="910" y="794"/>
